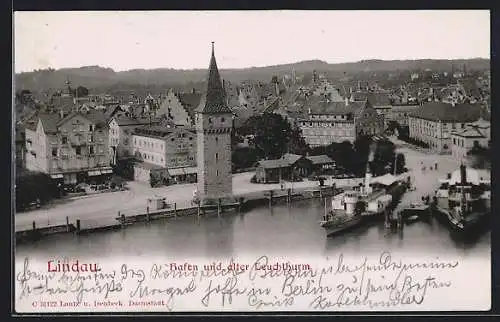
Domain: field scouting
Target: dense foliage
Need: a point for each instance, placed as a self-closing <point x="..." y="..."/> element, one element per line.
<point x="32" y="187"/>
<point x="273" y="136"/>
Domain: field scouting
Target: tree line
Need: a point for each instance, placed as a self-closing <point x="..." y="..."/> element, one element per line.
<point x="271" y="135"/>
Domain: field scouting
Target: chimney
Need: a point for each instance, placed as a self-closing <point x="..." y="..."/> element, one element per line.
<point x="61" y="113"/>
<point x="463" y="174"/>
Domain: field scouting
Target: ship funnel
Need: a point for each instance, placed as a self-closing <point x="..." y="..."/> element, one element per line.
<point x="463" y="174"/>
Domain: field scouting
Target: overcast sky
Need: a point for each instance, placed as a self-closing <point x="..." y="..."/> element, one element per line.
<point x="175" y="39"/>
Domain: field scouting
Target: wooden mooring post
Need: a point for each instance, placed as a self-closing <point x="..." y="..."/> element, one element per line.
<point x="240" y="204"/>
<point x="270" y="198"/>
<point x="400" y="220"/>
<point x="78" y="226"/>
<point x="34" y="226"/>
<point x="199" y="209"/>
<point x="147" y="213"/>
<point x="175" y="209"/>
<point x="67" y="224"/>
<point x="289" y="196"/>
<point x="387" y="221"/>
<point x="218" y="207"/>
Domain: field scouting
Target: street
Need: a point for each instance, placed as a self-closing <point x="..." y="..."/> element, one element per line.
<point x="102" y="209"/>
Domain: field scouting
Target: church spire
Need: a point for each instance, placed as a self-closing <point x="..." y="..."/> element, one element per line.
<point x="214" y="99"/>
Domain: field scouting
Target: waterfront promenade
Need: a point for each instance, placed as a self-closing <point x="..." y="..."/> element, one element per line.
<point x="102" y="209"/>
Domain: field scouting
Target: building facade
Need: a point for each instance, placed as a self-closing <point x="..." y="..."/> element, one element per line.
<point x="121" y="129"/>
<point x="71" y="149"/>
<point x="435" y="122"/>
<point x="400" y="114"/>
<point x="335" y="122"/>
<point x="180" y="107"/>
<point x="475" y="134"/>
<point x="213" y="127"/>
<point x="168" y="153"/>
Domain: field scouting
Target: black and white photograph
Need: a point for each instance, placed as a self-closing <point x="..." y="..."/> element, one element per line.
<point x="251" y="161"/>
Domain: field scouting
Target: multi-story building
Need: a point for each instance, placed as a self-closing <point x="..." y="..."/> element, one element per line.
<point x="121" y="129"/>
<point x="400" y="114"/>
<point x="329" y="122"/>
<point x="434" y="122"/>
<point x="475" y="134"/>
<point x="213" y="127"/>
<point x="381" y="103"/>
<point x="180" y="107"/>
<point x="167" y="153"/>
<point x="71" y="149"/>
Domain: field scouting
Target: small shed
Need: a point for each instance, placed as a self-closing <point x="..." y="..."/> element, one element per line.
<point x="321" y="163"/>
<point x="287" y="167"/>
<point x="385" y="180"/>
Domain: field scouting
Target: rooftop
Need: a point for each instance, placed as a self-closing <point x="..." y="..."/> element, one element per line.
<point x="445" y="112"/>
<point x="213" y="101"/>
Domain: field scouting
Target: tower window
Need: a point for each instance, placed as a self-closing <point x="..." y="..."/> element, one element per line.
<point x="210" y="120"/>
<point x="216" y="157"/>
<point x="216" y="140"/>
<point x="222" y="119"/>
<point x="217" y="173"/>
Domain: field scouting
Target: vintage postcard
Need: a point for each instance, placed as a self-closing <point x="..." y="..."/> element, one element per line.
<point x="252" y="161"/>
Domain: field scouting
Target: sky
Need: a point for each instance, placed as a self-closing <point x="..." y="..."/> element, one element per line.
<point x="125" y="40"/>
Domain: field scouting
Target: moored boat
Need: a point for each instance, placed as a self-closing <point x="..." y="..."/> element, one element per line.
<point x="464" y="198"/>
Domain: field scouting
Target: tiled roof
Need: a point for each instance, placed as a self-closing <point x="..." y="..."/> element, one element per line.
<point x="440" y="111"/>
<point x="335" y="108"/>
<point x="190" y="101"/>
<point x="379" y="99"/>
<point x="213" y="101"/>
<point x="49" y="121"/>
<point x="290" y="157"/>
<point x="159" y="131"/>
<point x="320" y="159"/>
<point x="359" y="96"/>
<point x="285" y="161"/>
<point x="124" y="120"/>
<point x="470" y="133"/>
<point x="481" y="123"/>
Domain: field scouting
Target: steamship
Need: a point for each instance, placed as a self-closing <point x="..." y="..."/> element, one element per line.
<point x="464" y="198"/>
<point x="350" y="207"/>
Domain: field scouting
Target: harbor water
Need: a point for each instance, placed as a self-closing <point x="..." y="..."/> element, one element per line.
<point x="280" y="230"/>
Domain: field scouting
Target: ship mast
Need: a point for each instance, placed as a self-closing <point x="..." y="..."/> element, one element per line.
<point x="463" y="179"/>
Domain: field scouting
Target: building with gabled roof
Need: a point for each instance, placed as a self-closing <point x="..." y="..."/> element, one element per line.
<point x="475" y="134"/>
<point x="121" y="129"/>
<point x="167" y="153"/>
<point x="180" y="107"/>
<point x="328" y="122"/>
<point x="70" y="148"/>
<point x="433" y="123"/>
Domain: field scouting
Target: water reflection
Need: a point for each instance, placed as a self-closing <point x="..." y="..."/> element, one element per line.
<point x="280" y="230"/>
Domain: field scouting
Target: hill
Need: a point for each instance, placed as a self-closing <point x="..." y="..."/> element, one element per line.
<point x="95" y="77"/>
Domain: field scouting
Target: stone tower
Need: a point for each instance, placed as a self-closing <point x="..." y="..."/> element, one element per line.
<point x="213" y="127"/>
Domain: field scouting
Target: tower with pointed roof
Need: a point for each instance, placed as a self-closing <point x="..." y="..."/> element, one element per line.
<point x="213" y="126"/>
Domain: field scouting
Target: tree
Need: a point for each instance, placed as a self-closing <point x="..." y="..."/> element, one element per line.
<point x="392" y="126"/>
<point x="273" y="135"/>
<point x="480" y="157"/>
<point x="33" y="186"/>
<point x="384" y="157"/>
<point x="80" y="91"/>
<point x="400" y="163"/>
